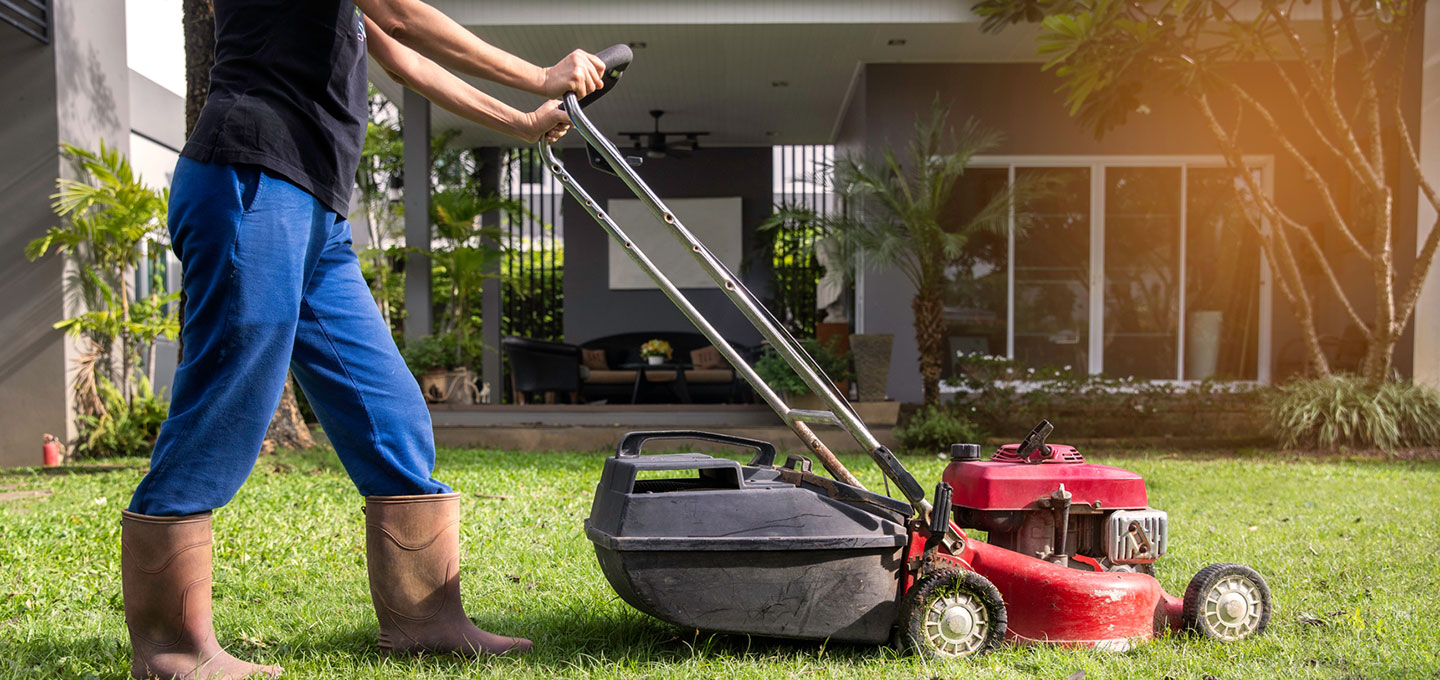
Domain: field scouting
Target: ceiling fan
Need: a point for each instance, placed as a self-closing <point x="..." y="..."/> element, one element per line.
<point x="657" y="144"/>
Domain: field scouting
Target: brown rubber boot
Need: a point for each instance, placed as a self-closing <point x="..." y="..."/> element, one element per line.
<point x="165" y="570"/>
<point x="412" y="546"/>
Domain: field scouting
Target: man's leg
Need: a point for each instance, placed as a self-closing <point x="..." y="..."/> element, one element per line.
<point x="374" y="413"/>
<point x="245" y="241"/>
<point x="362" y="392"/>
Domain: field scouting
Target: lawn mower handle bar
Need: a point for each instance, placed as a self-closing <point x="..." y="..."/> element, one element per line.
<point x="841" y="413"/>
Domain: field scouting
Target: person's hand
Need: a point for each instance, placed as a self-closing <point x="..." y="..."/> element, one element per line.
<point x="579" y="72"/>
<point x="548" y="122"/>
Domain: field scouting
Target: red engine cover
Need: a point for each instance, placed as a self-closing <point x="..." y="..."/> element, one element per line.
<point x="995" y="485"/>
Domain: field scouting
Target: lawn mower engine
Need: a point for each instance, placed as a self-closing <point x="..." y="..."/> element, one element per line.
<point x="1045" y="501"/>
<point x="1072" y="547"/>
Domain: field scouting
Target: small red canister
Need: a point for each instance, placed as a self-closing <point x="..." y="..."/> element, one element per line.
<point x="52" y="451"/>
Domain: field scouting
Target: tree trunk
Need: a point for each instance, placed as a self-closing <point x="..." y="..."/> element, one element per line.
<point x="287" y="427"/>
<point x="929" y="336"/>
<point x="199" y="20"/>
<point x="199" y="26"/>
<point x="1379" y="353"/>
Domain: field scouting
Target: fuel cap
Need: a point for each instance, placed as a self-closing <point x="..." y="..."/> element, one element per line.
<point x="964" y="452"/>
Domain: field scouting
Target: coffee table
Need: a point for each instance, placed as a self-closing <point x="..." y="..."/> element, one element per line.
<point x="678" y="385"/>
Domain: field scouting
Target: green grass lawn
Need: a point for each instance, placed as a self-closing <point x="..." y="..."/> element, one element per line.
<point x="1350" y="550"/>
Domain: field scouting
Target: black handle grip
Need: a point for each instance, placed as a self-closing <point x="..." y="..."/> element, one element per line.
<point x="940" y="512"/>
<point x="617" y="58"/>
<point x="631" y="443"/>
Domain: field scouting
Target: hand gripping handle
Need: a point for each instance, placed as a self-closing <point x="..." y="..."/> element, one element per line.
<point x="617" y="59"/>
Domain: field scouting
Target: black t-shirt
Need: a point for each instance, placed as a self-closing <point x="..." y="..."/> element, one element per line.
<point x="287" y="93"/>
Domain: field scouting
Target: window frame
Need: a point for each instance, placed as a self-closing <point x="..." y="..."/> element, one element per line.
<point x="1098" y="164"/>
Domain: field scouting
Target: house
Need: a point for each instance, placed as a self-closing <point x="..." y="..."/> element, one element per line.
<point x="1140" y="267"/>
<point x="1135" y="269"/>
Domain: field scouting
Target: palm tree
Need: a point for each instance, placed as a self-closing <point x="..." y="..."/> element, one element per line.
<point x="898" y="214"/>
<point x="470" y="251"/>
<point x="112" y="226"/>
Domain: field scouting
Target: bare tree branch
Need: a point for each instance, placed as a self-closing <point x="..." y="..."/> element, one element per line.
<point x="1314" y="175"/>
<point x="1403" y="130"/>
<point x="1411" y="296"/>
<point x="1273" y="210"/>
<point x="1303" y="102"/>
<point x="1282" y="259"/>
<point x="1325" y="85"/>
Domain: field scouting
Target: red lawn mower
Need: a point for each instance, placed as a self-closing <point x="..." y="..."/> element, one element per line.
<point x="777" y="550"/>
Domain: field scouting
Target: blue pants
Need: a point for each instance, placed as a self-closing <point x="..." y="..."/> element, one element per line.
<point x="272" y="285"/>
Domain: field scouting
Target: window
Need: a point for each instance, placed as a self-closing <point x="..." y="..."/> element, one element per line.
<point x="1140" y="267"/>
<point x="1052" y="273"/>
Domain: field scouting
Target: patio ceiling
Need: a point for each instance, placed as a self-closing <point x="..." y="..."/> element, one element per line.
<point x="752" y="73"/>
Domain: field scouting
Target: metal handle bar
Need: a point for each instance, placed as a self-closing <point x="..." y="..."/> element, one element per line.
<point x="785" y="344"/>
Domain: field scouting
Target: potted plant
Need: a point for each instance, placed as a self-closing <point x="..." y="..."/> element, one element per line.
<point x="656" y="351"/>
<point x="442" y="364"/>
<point x="872" y="365"/>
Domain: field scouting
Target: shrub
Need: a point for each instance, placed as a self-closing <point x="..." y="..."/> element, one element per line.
<point x="1004" y="395"/>
<point x="1342" y="410"/>
<point x="776" y="373"/>
<point x="121" y="428"/>
<point x="442" y="352"/>
<point x="934" y="428"/>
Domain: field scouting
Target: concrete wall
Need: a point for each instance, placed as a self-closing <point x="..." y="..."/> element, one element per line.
<point x="1020" y="100"/>
<point x="32" y="355"/>
<point x="592" y="310"/>
<point x="73" y="90"/>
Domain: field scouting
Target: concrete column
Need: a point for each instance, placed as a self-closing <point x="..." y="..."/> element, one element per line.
<point x="491" y="304"/>
<point x="419" y="313"/>
<point x="1427" y="310"/>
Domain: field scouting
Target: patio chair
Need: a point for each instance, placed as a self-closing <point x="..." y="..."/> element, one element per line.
<point x="541" y="366"/>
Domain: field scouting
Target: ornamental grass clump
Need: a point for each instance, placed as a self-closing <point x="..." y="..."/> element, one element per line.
<point x="1342" y="410"/>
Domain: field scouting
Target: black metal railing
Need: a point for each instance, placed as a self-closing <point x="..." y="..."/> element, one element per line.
<point x="32" y="17"/>
<point x="533" y="267"/>
<point x="803" y="179"/>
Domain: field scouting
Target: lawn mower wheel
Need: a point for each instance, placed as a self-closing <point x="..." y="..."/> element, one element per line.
<point x="952" y="613"/>
<point x="1226" y="602"/>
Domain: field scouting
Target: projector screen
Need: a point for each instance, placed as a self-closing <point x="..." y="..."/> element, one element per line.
<point x="715" y="221"/>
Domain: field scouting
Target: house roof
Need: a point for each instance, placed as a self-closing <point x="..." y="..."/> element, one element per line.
<point x="751" y="72"/>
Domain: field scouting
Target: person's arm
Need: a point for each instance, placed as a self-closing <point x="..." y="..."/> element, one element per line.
<point x="433" y="34"/>
<point x="451" y="93"/>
